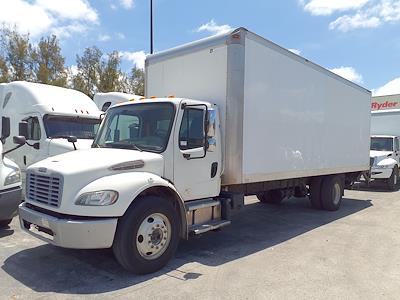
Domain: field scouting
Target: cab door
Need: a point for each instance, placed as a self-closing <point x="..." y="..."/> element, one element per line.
<point x="197" y="154"/>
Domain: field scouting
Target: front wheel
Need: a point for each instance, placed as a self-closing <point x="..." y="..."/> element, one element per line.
<point x="393" y="180"/>
<point x="147" y="235"/>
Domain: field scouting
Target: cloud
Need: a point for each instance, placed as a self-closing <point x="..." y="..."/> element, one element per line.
<point x="120" y="36"/>
<point x="137" y="58"/>
<point x="347" y="23"/>
<point x="127" y="4"/>
<point x="213" y="28"/>
<point x="349" y="73"/>
<point x="390" y="88"/>
<point x="356" y="14"/>
<point x="324" y="7"/>
<point x="104" y="38"/>
<point x="47" y="16"/>
<point x="295" y="51"/>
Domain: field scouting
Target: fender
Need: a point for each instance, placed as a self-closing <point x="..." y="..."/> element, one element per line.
<point x="388" y="161"/>
<point x="129" y="186"/>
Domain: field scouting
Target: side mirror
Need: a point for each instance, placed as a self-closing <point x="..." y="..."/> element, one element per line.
<point x="5" y="128"/>
<point x="72" y="139"/>
<point x="19" y="140"/>
<point x="23" y="129"/>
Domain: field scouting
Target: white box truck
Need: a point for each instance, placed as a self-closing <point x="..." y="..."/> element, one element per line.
<point x="10" y="181"/>
<point x="47" y="116"/>
<point x="252" y="119"/>
<point x="385" y="147"/>
<point x="105" y="100"/>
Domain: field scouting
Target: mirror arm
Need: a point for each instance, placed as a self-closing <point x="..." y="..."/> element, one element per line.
<point x="8" y="151"/>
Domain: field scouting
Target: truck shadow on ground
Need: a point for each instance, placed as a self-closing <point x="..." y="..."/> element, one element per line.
<point x="255" y="228"/>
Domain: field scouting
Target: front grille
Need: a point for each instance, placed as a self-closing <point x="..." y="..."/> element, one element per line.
<point x="371" y="161"/>
<point x="44" y="189"/>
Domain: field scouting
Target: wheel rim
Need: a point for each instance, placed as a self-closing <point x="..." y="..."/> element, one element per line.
<point x="153" y="236"/>
<point x="337" y="193"/>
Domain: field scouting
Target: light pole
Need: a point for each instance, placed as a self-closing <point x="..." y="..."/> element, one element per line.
<point x="151" y="26"/>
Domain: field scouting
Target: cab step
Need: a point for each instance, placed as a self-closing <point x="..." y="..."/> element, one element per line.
<point x="212" y="225"/>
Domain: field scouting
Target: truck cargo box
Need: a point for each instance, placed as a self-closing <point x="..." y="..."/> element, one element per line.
<point x="282" y="116"/>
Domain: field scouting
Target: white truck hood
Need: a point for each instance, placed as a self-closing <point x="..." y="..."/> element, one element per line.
<point x="374" y="153"/>
<point x="59" y="146"/>
<point x="94" y="163"/>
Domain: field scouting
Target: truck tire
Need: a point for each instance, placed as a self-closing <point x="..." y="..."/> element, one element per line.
<point x="271" y="197"/>
<point x="393" y="181"/>
<point x="331" y="192"/>
<point x="315" y="192"/>
<point x="5" y="223"/>
<point x="147" y="235"/>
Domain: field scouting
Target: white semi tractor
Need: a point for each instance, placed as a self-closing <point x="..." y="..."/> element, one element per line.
<point x="105" y="100"/>
<point x="47" y="116"/>
<point x="385" y="147"/>
<point x="10" y="180"/>
<point x="252" y="119"/>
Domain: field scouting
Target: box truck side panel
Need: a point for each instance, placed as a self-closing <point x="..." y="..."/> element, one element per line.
<point x="299" y="119"/>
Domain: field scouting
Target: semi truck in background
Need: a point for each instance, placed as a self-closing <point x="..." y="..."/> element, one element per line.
<point x="385" y="147"/>
<point x="105" y="100"/>
<point x="251" y="119"/>
<point x="47" y="116"/>
<point x="10" y="181"/>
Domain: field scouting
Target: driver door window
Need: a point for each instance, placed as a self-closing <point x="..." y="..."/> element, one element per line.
<point x="191" y="133"/>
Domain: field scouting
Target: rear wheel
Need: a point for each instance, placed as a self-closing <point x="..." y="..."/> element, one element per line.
<point x="392" y="182"/>
<point x="315" y="192"/>
<point x="5" y="223"/>
<point x="271" y="197"/>
<point x="331" y="192"/>
<point x="147" y="235"/>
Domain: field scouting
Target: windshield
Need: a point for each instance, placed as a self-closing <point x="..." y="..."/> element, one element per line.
<point x="145" y="126"/>
<point x="382" y="144"/>
<point x="62" y="126"/>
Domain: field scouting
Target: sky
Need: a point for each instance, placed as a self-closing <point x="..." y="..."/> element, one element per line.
<point x="357" y="39"/>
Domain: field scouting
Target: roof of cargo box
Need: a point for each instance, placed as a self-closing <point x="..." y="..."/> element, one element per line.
<point x="232" y="36"/>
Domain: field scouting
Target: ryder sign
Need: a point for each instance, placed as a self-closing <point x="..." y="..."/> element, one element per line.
<point x="385" y="102"/>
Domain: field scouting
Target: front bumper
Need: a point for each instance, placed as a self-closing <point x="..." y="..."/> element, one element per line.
<point x="68" y="232"/>
<point x="377" y="173"/>
<point x="9" y="201"/>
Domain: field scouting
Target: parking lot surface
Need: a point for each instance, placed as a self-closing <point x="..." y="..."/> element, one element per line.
<point x="269" y="252"/>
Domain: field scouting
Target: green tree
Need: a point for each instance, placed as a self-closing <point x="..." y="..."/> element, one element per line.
<point x="18" y="54"/>
<point x="49" y="63"/>
<point x="133" y="82"/>
<point x="89" y="70"/>
<point x="4" y="72"/>
<point x="110" y="75"/>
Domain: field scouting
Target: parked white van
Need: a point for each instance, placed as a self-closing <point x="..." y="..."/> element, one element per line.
<point x="47" y="116"/>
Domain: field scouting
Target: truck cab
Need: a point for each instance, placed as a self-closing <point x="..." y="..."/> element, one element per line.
<point x="385" y="158"/>
<point x="148" y="159"/>
<point x="10" y="181"/>
<point x="47" y="116"/>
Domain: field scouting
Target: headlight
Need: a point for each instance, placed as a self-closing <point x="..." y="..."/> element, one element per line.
<point x="13" y="177"/>
<point x="98" y="198"/>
